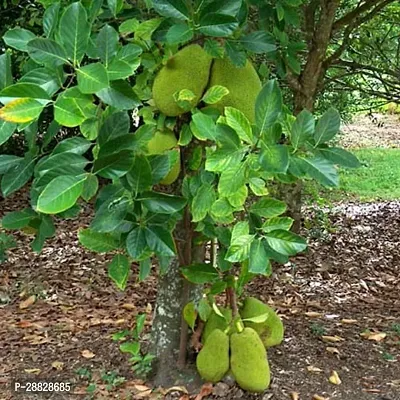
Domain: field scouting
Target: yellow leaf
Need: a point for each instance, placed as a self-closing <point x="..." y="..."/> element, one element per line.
<point x="333" y="339"/>
<point x="87" y="354"/>
<point x="28" y="302"/>
<point x="21" y="110"/>
<point x="317" y="397"/>
<point x="334" y="378"/>
<point x="294" y="395"/>
<point x="128" y="306"/>
<point x="34" y="371"/>
<point x="58" y="365"/>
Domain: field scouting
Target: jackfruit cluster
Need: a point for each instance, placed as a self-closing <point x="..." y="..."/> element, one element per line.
<point x="159" y="144"/>
<point x="192" y="68"/>
<point x="239" y="347"/>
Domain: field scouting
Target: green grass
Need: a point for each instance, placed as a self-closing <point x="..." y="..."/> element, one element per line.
<point x="377" y="179"/>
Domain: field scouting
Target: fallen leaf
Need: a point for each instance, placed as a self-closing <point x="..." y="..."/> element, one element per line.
<point x="87" y="354"/>
<point x="206" y="390"/>
<point x="333" y="339"/>
<point x="294" y="395"/>
<point x="34" y="371"/>
<point x="316" y="397"/>
<point x="348" y="321"/>
<point x="28" y="302"/>
<point x="58" y="365"/>
<point x="375" y="336"/>
<point x="142" y="395"/>
<point x="141" y="388"/>
<point x="129" y="306"/>
<point x="149" y="308"/>
<point x="372" y="390"/>
<point x="27" y="324"/>
<point x="395" y="383"/>
<point x="313" y="314"/>
<point x="334" y="378"/>
<point x="176" y="389"/>
<point x="36" y="339"/>
<point x="332" y="350"/>
<point x="311" y="368"/>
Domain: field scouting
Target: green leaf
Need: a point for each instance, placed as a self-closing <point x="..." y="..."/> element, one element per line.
<point x="115" y="6"/>
<point x="218" y="25"/>
<point x="50" y="19"/>
<point x="274" y="158"/>
<point x="144" y="269"/>
<point x="339" y="156"/>
<point x="190" y="315"/>
<point x="107" y="44"/>
<point x="60" y="194"/>
<point x="232" y="179"/>
<point x="48" y="79"/>
<point x="47" y="52"/>
<point x="268" y="208"/>
<point x="61" y="160"/>
<point x="160" y="240"/>
<point x="259" y="42"/>
<point x="128" y="26"/>
<point x="327" y="127"/>
<point x="18" y="219"/>
<point x="136" y="244"/>
<point x="90" y="187"/>
<point x="220" y="160"/>
<point x="92" y="78"/>
<point x="73" y="107"/>
<point x="176" y="9"/>
<point x="218" y="288"/>
<point x="115" y="165"/>
<point x="115" y="125"/>
<point x="98" y="242"/>
<point x="258" y="261"/>
<point x="302" y="129"/>
<point x="215" y="94"/>
<point x="286" y="242"/>
<point x="76" y="145"/>
<point x="74" y="32"/>
<point x="277" y="223"/>
<point x="146" y="29"/>
<point x="320" y="169"/>
<point x="119" y="95"/>
<point x="18" y="38"/>
<point x="7" y="161"/>
<point x="204" y="309"/>
<point x="239" y="249"/>
<point x="161" y="203"/>
<point x="139" y="177"/>
<point x="257" y="185"/>
<point x="202" y="202"/>
<point x="185" y="99"/>
<point x="21" y="110"/>
<point x="6" y="131"/>
<point x="18" y="176"/>
<point x="118" y="270"/>
<point x="239" y="123"/>
<point x="20" y="91"/>
<point x="268" y="106"/>
<point x="200" y="274"/>
<point x="110" y="215"/>
<point x="5" y="71"/>
<point x="259" y="319"/>
<point x="130" y="347"/>
<point x="203" y="127"/>
<point x="179" y="33"/>
<point x="221" y="208"/>
<point x="160" y="166"/>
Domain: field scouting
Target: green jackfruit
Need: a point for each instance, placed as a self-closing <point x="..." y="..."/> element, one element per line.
<point x="215" y="321"/>
<point x="243" y="84"/>
<point x="271" y="331"/>
<point x="161" y="142"/>
<point x="249" y="362"/>
<point x="213" y="360"/>
<point x="187" y="69"/>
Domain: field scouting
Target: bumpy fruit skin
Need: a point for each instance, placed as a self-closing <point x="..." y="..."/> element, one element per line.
<point x="187" y="69"/>
<point x="161" y="142"/>
<point x="243" y="84"/>
<point x="248" y="362"/>
<point x="216" y="322"/>
<point x="270" y="331"/>
<point x="213" y="360"/>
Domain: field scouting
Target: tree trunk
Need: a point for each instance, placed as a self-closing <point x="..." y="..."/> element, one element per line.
<point x="169" y="331"/>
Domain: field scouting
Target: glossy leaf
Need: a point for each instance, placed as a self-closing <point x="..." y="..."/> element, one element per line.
<point x="107" y="44"/>
<point x="339" y="156"/>
<point x="18" y="219"/>
<point x="160" y="240"/>
<point x="200" y="273"/>
<point x="136" y="243"/>
<point x="92" y="78"/>
<point x="18" y="176"/>
<point x="259" y="42"/>
<point x="286" y="242"/>
<point x="239" y="123"/>
<point x="5" y="70"/>
<point x="202" y="202"/>
<point x="6" y="130"/>
<point x="176" y="9"/>
<point x="258" y="260"/>
<point x="218" y="25"/>
<point x="302" y="129"/>
<point x="327" y="127"/>
<point x="118" y="270"/>
<point x="47" y="52"/>
<point x="18" y="38"/>
<point x="268" y="208"/>
<point x="98" y="242"/>
<point x="179" y="33"/>
<point x="190" y="314"/>
<point x="274" y="158"/>
<point x="268" y="106"/>
<point x="119" y="95"/>
<point x="161" y="203"/>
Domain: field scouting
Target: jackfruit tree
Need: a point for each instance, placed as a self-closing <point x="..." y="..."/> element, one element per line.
<point x="177" y="136"/>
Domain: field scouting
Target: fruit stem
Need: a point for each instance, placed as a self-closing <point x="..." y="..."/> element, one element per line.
<point x="231" y="295"/>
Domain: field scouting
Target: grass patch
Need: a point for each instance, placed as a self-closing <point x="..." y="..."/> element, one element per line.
<point x="377" y="179"/>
